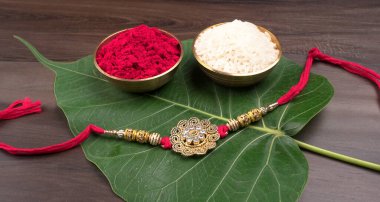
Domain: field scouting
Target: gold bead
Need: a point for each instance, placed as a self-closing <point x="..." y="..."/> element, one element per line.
<point x="251" y="116"/>
<point x="120" y="134"/>
<point x="129" y="135"/>
<point x="255" y="114"/>
<point x="154" y="139"/>
<point x="146" y="136"/>
<point x="232" y="125"/>
<point x="110" y="132"/>
<point x="134" y="135"/>
<point x="259" y="115"/>
<point x="142" y="136"/>
<point x="244" y="120"/>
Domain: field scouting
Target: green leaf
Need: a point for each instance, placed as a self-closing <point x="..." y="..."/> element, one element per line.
<point x="259" y="163"/>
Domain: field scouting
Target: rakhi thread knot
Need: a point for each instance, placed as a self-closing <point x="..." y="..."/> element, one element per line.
<point x="165" y="143"/>
<point x="314" y="52"/>
<point x="223" y="131"/>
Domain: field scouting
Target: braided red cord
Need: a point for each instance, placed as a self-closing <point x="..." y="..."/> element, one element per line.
<point x="314" y="53"/>
<point x="81" y="137"/>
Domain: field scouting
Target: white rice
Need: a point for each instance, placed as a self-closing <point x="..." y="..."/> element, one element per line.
<point x="236" y="47"/>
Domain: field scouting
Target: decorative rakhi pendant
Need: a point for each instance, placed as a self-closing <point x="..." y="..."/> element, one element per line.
<point x="193" y="136"/>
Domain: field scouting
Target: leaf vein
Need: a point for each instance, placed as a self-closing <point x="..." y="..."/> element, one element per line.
<point x="119" y="171"/>
<point x="282" y="116"/>
<point x="261" y="171"/>
<point x="315" y="106"/>
<point x="233" y="163"/>
<point x="138" y="172"/>
<point x="150" y="115"/>
<point x="200" y="161"/>
<point x="278" y="183"/>
<point x="275" y="81"/>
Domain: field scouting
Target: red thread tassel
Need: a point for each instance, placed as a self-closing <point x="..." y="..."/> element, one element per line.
<point x="23" y="107"/>
<point x="20" y="108"/>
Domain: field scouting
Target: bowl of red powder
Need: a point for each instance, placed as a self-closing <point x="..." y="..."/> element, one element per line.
<point x="139" y="59"/>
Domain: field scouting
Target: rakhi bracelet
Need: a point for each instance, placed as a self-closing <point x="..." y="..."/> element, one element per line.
<point x="192" y="136"/>
<point x="189" y="137"/>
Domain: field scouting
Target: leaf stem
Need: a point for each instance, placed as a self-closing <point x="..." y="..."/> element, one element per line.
<point x="340" y="157"/>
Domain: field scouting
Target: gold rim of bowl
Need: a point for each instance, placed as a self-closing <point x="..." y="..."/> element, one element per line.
<point x="113" y="35"/>
<point x="262" y="29"/>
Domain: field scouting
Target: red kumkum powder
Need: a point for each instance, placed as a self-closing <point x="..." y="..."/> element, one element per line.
<point x="138" y="53"/>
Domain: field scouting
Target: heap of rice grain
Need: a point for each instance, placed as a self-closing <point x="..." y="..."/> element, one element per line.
<point x="236" y="47"/>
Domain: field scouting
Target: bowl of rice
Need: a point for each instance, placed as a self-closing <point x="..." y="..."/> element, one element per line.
<point x="236" y="53"/>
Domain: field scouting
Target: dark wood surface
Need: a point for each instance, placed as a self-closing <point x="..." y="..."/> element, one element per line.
<point x="67" y="30"/>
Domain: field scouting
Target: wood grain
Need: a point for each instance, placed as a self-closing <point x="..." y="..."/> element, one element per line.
<point x="68" y="30"/>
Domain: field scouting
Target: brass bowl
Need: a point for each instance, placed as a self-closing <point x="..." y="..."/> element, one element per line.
<point x="236" y="80"/>
<point x="140" y="85"/>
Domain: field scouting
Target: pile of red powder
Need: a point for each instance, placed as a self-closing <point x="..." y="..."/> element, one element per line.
<point x="138" y="53"/>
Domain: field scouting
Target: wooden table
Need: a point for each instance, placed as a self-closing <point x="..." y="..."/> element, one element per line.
<point x="68" y="30"/>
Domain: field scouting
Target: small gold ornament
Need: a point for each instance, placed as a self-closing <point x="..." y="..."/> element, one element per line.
<point x="194" y="137"/>
<point x="132" y="135"/>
